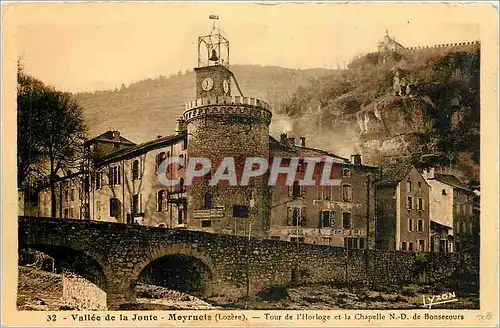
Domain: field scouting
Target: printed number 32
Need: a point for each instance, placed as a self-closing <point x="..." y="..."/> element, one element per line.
<point x="51" y="317"/>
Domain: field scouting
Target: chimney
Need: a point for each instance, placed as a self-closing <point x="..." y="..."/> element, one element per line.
<point x="303" y="141"/>
<point x="283" y="138"/>
<point x="430" y="173"/>
<point x="356" y="159"/>
<point x="116" y="135"/>
<point x="291" y="141"/>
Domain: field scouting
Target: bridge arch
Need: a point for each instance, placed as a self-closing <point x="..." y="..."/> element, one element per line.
<point x="76" y="261"/>
<point x="181" y="267"/>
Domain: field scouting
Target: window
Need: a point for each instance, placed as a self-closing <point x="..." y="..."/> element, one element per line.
<point x="443" y="192"/>
<point x="136" y="204"/>
<point x="442" y="246"/>
<point x="361" y="243"/>
<point x="420" y="225"/>
<point x="421" y="245"/>
<point x="85" y="211"/>
<point x="419" y="185"/>
<point x="72" y="194"/>
<point x="114" y="175"/>
<point x="66" y="195"/>
<point x="410" y="246"/>
<point x="159" y="159"/>
<point x="160" y="200"/>
<point x="114" y="207"/>
<point x="180" y="216"/>
<point x="326" y="219"/>
<point x="181" y="160"/>
<point x="347" y="193"/>
<point x="346" y="220"/>
<point x="207" y="201"/>
<point x="325" y="241"/>
<point x="326" y="192"/>
<point x="66" y="213"/>
<point x="420" y="203"/>
<point x="296" y="216"/>
<point x="458" y="246"/>
<point x="135" y="170"/>
<point x="206" y="223"/>
<point x="295" y="189"/>
<point x="464" y="227"/>
<point x="470" y="228"/>
<point x="181" y="184"/>
<point x="98" y="180"/>
<point x="409" y="202"/>
<point x="403" y="246"/>
<point x="71" y="213"/>
<point x="408" y="186"/>
<point x="410" y="224"/>
<point x="240" y="211"/>
<point x="346" y="173"/>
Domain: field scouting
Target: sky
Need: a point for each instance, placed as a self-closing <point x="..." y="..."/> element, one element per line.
<point x="94" y="46"/>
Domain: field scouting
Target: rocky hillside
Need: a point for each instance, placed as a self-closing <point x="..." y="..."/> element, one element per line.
<point x="420" y="106"/>
<point x="148" y="108"/>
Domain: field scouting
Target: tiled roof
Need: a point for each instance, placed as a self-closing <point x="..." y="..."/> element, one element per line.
<point x="451" y="180"/>
<point x="393" y="174"/>
<point x="278" y="149"/>
<point x="108" y="137"/>
<point x="140" y="149"/>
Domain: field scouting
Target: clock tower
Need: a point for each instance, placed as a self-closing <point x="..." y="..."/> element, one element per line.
<point x="213" y="77"/>
<point x="219" y="126"/>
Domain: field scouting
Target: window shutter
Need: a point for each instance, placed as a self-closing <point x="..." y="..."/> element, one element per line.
<point x="320" y="219"/>
<point x="302" y="191"/>
<point x="290" y="191"/>
<point x="289" y="215"/>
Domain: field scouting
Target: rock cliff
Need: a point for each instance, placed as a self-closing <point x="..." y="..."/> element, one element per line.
<point x="417" y="106"/>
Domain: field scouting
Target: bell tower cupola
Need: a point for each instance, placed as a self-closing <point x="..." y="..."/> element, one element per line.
<point x="213" y="77"/>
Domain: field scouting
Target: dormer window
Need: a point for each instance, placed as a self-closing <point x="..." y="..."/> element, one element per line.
<point x="443" y="192"/>
<point x="346" y="173"/>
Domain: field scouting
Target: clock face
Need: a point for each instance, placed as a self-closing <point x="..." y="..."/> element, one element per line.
<point x="207" y="84"/>
<point x="225" y="86"/>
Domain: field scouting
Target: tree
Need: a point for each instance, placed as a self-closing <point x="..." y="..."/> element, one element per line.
<point x="51" y="130"/>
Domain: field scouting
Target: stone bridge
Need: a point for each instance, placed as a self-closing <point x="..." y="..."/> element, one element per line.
<point x="116" y="256"/>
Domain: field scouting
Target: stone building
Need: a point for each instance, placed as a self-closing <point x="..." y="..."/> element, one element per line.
<point x="455" y="209"/>
<point x="119" y="179"/>
<point x="403" y="221"/>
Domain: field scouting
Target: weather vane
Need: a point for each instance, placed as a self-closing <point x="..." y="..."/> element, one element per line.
<point x="214" y="18"/>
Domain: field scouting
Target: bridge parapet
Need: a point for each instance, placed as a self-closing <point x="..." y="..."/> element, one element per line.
<point x="123" y="251"/>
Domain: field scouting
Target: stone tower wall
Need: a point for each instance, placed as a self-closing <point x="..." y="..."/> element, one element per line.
<point x="233" y="127"/>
